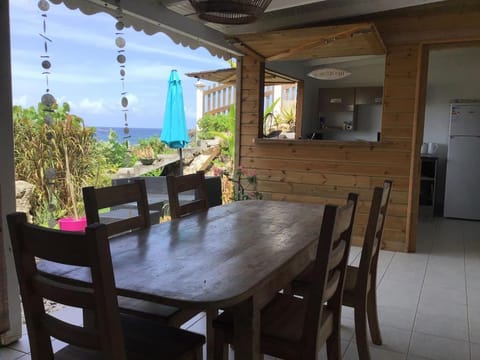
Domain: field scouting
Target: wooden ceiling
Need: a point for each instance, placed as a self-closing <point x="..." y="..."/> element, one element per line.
<point x="315" y="42"/>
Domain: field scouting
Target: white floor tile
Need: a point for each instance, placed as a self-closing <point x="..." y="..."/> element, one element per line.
<point x="399" y="294"/>
<point x="438" y="294"/>
<point x="438" y="348"/>
<point x="393" y="339"/>
<point x="10" y="354"/>
<point x="396" y="317"/>
<point x="21" y="345"/>
<point x="474" y="323"/>
<point x="375" y="353"/>
<point x="474" y="351"/>
<point x="442" y="325"/>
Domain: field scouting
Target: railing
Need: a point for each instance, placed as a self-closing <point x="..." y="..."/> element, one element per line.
<point x="217" y="99"/>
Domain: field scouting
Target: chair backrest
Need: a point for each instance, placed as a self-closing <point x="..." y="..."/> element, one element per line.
<point x="328" y="275"/>
<point x="90" y="250"/>
<point x="178" y="184"/>
<point x="95" y="199"/>
<point x="373" y="235"/>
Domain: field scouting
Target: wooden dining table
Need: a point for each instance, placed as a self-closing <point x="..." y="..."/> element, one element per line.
<point x="231" y="256"/>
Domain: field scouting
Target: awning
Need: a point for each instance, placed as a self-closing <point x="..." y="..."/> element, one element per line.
<point x="229" y="77"/>
<point x="152" y="17"/>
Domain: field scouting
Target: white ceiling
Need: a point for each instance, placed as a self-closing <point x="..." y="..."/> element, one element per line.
<point x="290" y="13"/>
<point x="284" y="4"/>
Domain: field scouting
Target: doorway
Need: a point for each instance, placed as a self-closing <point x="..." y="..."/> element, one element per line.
<point x="453" y="76"/>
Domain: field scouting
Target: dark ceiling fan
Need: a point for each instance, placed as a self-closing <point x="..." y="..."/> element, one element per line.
<point x="230" y="12"/>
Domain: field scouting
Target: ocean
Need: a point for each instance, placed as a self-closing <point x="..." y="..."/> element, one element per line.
<point x="133" y="136"/>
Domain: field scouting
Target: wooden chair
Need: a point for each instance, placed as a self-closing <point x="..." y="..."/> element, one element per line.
<point x="178" y="184"/>
<point x="360" y="283"/>
<point x="95" y="199"/>
<point x="114" y="336"/>
<point x="293" y="327"/>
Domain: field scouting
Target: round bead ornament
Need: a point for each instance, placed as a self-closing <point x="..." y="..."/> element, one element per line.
<point x="120" y="42"/>
<point x="48" y="119"/>
<point x="43" y="5"/>
<point x="119" y="25"/>
<point x="121" y="59"/>
<point x="48" y="99"/>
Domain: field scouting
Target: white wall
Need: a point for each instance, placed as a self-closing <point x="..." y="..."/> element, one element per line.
<point x="453" y="74"/>
<point x="7" y="173"/>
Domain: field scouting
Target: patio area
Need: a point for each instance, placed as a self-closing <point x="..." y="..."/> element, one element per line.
<point x="429" y="302"/>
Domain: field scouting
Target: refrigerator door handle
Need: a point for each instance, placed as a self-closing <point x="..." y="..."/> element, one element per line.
<point x="467" y="136"/>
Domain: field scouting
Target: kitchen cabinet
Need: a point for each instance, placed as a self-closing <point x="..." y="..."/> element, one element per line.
<point x="336" y="99"/>
<point x="368" y="95"/>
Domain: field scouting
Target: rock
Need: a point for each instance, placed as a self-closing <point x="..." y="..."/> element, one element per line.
<point x="23" y="197"/>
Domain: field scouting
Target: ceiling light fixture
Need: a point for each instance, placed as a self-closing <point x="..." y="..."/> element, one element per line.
<point x="329" y="74"/>
<point x="230" y="12"/>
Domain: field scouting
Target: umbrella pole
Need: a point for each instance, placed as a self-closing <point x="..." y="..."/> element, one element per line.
<point x="181" y="161"/>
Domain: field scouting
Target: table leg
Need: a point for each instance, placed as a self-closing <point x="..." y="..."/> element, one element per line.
<point x="246" y="331"/>
<point x="211" y="315"/>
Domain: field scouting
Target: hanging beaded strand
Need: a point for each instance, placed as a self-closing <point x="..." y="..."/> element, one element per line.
<point x="121" y="59"/>
<point x="48" y="100"/>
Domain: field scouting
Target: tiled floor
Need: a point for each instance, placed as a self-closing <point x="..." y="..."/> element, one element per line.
<point x="429" y="302"/>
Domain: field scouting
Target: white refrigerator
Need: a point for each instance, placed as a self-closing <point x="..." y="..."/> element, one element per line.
<point x="462" y="186"/>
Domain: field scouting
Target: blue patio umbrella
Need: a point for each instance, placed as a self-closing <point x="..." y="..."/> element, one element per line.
<point x="174" y="131"/>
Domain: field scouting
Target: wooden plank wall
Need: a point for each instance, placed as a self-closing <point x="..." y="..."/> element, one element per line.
<point x="324" y="172"/>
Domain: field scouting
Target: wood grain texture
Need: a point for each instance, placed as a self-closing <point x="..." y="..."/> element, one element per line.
<point x="302" y="170"/>
<point x="325" y="41"/>
<point x="236" y="254"/>
<point x="196" y="259"/>
<point x="111" y="335"/>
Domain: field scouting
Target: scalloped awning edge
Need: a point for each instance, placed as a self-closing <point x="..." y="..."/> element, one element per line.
<point x="153" y="18"/>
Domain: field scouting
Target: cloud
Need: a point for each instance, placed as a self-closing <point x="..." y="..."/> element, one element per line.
<point x="22" y="101"/>
<point x="87" y="106"/>
<point x="132" y="99"/>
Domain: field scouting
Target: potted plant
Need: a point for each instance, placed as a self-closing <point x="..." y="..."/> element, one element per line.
<point x="145" y="154"/>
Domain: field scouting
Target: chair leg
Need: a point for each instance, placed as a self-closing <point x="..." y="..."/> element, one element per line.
<point x="334" y="348"/>
<point x="211" y="315"/>
<point x="361" y="332"/>
<point x="372" y="315"/>
<point x="199" y="353"/>
<point x="220" y="346"/>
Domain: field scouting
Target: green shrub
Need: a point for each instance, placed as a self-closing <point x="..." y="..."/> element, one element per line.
<point x="210" y="125"/>
<point x="39" y="146"/>
<point x="116" y="153"/>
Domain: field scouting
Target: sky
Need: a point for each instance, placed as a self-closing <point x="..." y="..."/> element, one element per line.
<point x="85" y="72"/>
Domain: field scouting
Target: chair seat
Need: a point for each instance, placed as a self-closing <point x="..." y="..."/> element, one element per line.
<point x="144" y="340"/>
<point x="282" y="325"/>
<point x="167" y="315"/>
<point x="301" y="283"/>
